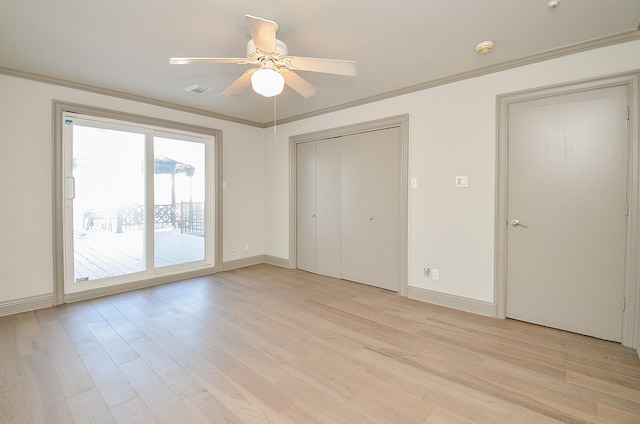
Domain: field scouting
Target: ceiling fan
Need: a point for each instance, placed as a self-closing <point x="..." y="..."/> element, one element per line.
<point x="273" y="67"/>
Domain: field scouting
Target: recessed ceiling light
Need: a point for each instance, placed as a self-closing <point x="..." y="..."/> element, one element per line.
<point x="485" y="47"/>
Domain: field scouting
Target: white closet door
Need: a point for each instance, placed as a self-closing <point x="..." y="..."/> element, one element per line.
<point x="306" y="206"/>
<point x="355" y="209"/>
<point x="371" y="208"/>
<point x="384" y="229"/>
<point x="328" y="208"/>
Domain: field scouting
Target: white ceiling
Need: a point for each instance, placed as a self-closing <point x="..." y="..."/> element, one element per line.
<point x="399" y="46"/>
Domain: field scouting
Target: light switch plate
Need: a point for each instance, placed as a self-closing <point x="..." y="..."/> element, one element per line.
<point x="414" y="182"/>
<point x="462" y="181"/>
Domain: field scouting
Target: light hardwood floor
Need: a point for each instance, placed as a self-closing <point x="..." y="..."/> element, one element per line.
<point x="270" y="345"/>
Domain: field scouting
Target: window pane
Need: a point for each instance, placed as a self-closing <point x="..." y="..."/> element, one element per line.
<point x="179" y="201"/>
<point x="108" y="169"/>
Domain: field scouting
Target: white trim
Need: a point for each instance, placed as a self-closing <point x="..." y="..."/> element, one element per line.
<point x="459" y="303"/>
<point x="243" y="262"/>
<point x="276" y="261"/>
<point x="26" y="304"/>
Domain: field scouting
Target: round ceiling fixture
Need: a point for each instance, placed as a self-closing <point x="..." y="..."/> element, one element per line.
<point x="485" y="47"/>
<point x="553" y="4"/>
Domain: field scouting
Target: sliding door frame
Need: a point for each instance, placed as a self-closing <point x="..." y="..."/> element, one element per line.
<point x="58" y="110"/>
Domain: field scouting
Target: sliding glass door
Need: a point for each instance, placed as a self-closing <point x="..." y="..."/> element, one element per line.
<point x="179" y="202"/>
<point x="136" y="202"/>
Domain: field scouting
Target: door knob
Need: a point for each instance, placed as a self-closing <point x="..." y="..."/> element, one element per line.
<point x="516" y="223"/>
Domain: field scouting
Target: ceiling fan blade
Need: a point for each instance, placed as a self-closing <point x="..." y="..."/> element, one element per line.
<point x="239" y="84"/>
<point x="298" y="83"/>
<point x="190" y="60"/>
<point x="327" y="66"/>
<point x="263" y="32"/>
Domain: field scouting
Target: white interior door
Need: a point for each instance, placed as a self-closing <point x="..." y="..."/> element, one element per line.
<point x="567" y="207"/>
<point x="348" y="203"/>
<point x="328" y="208"/>
<point x="371" y="208"/>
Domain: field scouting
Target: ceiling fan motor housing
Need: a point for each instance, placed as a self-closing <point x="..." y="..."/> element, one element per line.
<point x="281" y="48"/>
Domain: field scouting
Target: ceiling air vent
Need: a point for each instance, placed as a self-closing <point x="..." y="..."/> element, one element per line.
<point x="198" y="89"/>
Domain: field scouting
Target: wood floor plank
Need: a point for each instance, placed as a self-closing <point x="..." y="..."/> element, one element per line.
<point x="323" y="404"/>
<point x="182" y="384"/>
<point x="14" y="405"/>
<point x="209" y="409"/>
<point x="108" y="379"/>
<point x="174" y="324"/>
<point x="46" y="400"/>
<point x="161" y="402"/>
<point x="121" y="324"/>
<point x="9" y="337"/>
<point x="72" y="374"/>
<point x="133" y="411"/>
<point x="246" y="406"/>
<point x="264" y="344"/>
<point x="89" y="408"/>
<point x="118" y="350"/>
<point x="250" y="380"/>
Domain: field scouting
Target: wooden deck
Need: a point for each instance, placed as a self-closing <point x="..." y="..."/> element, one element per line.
<point x="103" y="254"/>
<point x="270" y="345"/>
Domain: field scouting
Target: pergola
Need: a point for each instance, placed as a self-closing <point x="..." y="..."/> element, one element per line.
<point x="165" y="165"/>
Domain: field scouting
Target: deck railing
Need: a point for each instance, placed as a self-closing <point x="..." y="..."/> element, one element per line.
<point x="188" y="216"/>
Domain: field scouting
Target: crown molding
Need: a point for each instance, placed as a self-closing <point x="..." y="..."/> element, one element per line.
<point x="123" y="95"/>
<point x="540" y="57"/>
<point x="551" y="54"/>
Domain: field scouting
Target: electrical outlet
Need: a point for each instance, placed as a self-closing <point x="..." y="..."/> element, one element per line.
<point x="435" y="274"/>
<point x="233" y="249"/>
<point x="246" y="246"/>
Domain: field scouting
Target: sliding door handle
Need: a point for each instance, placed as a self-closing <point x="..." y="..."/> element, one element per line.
<point x="71" y="188"/>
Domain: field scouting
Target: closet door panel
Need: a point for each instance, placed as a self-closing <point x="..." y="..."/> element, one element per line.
<point x="306" y="206"/>
<point x="355" y="216"/>
<point x="328" y="208"/>
<point x="371" y="208"/>
<point x="384" y="197"/>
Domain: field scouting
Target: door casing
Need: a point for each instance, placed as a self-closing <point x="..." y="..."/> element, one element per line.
<point x="631" y="318"/>
<point x="58" y="109"/>
<point x="401" y="121"/>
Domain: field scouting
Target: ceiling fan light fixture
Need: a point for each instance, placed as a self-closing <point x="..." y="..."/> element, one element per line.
<point x="267" y="82"/>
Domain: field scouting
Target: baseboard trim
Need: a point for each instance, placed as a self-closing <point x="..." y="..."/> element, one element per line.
<point x="241" y="263"/>
<point x="276" y="261"/>
<point x="26" y="304"/>
<point x="460" y="303"/>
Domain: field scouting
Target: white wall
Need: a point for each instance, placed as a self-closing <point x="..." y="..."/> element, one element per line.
<point x="26" y="260"/>
<point x="452" y="132"/>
